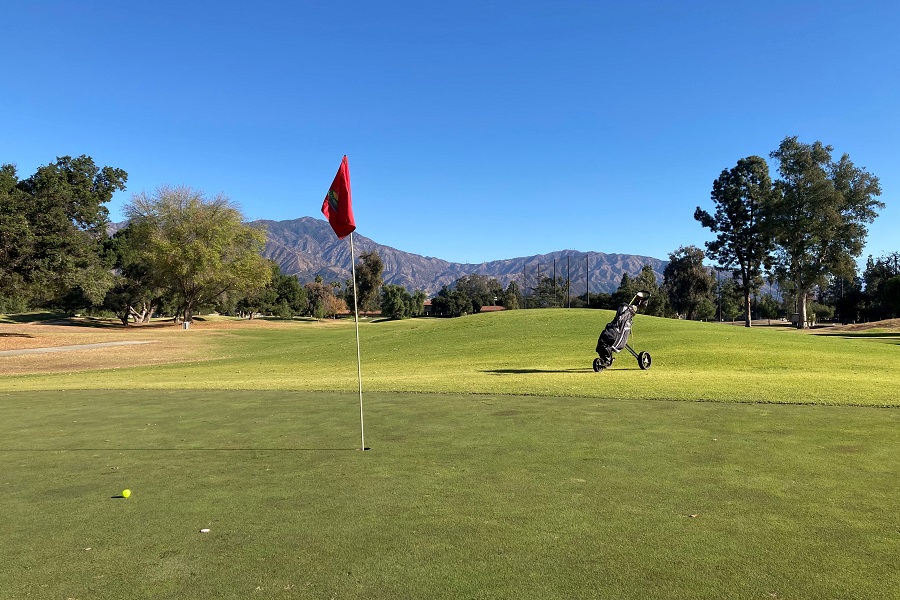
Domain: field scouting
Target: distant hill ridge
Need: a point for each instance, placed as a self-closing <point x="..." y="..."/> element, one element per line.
<point x="307" y="247"/>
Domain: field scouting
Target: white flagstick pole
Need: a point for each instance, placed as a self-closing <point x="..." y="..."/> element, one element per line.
<point x="362" y="428"/>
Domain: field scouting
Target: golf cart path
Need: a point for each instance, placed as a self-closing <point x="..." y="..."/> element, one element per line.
<point x="70" y="348"/>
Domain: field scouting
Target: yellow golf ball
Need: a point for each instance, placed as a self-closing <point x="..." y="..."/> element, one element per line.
<point x="126" y="493"/>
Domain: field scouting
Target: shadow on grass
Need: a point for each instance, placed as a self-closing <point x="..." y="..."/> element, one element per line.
<point x="530" y="371"/>
<point x="893" y="335"/>
<point x="18" y="335"/>
<point x="38" y="317"/>
<point x="116" y="449"/>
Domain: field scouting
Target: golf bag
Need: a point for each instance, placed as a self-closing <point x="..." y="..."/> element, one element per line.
<point x="615" y="334"/>
<point x="614" y="337"/>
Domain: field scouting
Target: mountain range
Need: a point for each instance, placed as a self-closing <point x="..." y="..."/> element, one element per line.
<point x="307" y="247"/>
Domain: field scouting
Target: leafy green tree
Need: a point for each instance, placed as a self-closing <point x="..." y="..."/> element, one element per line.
<point x="599" y="300"/>
<point x="512" y="297"/>
<point x="890" y="295"/>
<point x="689" y="284"/>
<point x="260" y="300"/>
<point x="396" y="302"/>
<point x="451" y="302"/>
<point x="290" y="295"/>
<point x="767" y="307"/>
<point x="138" y="290"/>
<point x="369" y="270"/>
<point x="742" y="195"/>
<point x="819" y="312"/>
<point x="53" y="227"/>
<point x="876" y="275"/>
<point x="549" y="292"/>
<point x="199" y="246"/>
<point x="417" y="308"/>
<point x="480" y="289"/>
<point x="317" y="294"/>
<point x="730" y="298"/>
<point x="628" y="287"/>
<point x="818" y="217"/>
<point x="646" y="280"/>
<point x="847" y="297"/>
<point x="17" y="242"/>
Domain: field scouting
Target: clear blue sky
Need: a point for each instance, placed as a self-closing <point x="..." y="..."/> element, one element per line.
<point x="476" y="130"/>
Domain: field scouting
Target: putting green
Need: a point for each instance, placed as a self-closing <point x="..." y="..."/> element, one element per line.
<point x="477" y="496"/>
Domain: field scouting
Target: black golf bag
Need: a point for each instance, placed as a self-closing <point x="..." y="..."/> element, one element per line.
<point x="614" y="337"/>
<point x="615" y="334"/>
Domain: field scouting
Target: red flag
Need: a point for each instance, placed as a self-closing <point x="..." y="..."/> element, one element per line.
<point x="337" y="206"/>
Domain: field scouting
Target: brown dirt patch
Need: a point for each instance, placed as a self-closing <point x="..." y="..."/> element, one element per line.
<point x="890" y="324"/>
<point x="169" y="343"/>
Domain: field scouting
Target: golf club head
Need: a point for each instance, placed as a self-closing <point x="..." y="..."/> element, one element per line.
<point x="642" y="297"/>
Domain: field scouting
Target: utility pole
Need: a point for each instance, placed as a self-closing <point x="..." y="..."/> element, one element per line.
<point x="555" y="288"/>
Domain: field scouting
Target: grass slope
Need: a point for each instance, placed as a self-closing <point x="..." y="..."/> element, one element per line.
<point x="545" y="352"/>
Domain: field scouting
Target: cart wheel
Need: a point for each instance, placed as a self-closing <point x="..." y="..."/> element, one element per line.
<point x="644" y="360"/>
<point x="598" y="366"/>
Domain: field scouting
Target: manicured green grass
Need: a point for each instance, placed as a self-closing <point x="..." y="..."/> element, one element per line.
<point x="536" y="352"/>
<point x="460" y="497"/>
<point x="501" y="466"/>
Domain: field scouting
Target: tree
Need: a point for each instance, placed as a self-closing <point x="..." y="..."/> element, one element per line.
<point x="200" y="246"/>
<point x="768" y="307"/>
<point x="17" y="240"/>
<point x="369" y="271"/>
<point x="818" y="216"/>
<point x="626" y="290"/>
<point x="396" y="302"/>
<point x="138" y="288"/>
<point x="549" y="292"/>
<point x="891" y="297"/>
<point x="689" y="284"/>
<point x="53" y="227"/>
<point x="658" y="305"/>
<point x="316" y="294"/>
<point x="451" y="302"/>
<point x="878" y="272"/>
<point x="418" y="303"/>
<point x="730" y="298"/>
<point x="742" y="196"/>
<point x="480" y="289"/>
<point x="334" y="306"/>
<point x="512" y="297"/>
<point x="846" y="295"/>
<point x="290" y="295"/>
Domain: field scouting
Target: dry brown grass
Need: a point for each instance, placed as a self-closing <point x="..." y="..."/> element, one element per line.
<point x="889" y="324"/>
<point x="168" y="343"/>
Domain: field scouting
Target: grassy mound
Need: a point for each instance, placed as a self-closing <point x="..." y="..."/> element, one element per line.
<point x="535" y="352"/>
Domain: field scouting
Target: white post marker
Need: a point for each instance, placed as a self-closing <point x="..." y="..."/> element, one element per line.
<point x="362" y="428"/>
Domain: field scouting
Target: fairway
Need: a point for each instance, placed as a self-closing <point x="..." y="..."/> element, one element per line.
<point x="524" y="352"/>
<point x="501" y="465"/>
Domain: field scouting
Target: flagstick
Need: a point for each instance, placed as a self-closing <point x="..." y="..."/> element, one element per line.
<point x="362" y="428"/>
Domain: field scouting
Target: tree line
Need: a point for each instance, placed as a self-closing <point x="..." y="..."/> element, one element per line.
<point x="183" y="251"/>
<point x="800" y="233"/>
